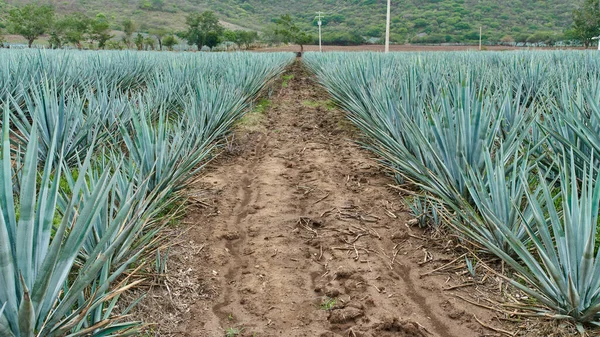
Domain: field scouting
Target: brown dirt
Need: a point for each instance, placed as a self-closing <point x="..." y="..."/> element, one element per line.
<point x="297" y="214"/>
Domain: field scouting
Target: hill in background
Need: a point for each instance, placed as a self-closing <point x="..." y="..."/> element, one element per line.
<point x="414" y="21"/>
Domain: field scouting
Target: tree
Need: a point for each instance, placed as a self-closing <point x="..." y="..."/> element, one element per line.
<point x="139" y="41"/>
<point x="204" y="29"/>
<point x="352" y="38"/>
<point x="2" y="41"/>
<point x="586" y="21"/>
<point x="129" y="28"/>
<point x="114" y="45"/>
<point x="212" y="39"/>
<point x="70" y="29"/>
<point x="58" y="34"/>
<point x="169" y="41"/>
<point x="100" y="30"/>
<point x="290" y="33"/>
<point x="230" y="35"/>
<point x="31" y="21"/>
<point x="77" y="27"/>
<point x="521" y="38"/>
<point x="269" y="34"/>
<point x="245" y="38"/>
<point x="303" y="39"/>
<point x="507" y="40"/>
<point x="159" y="34"/>
<point x="547" y="38"/>
<point x="150" y="43"/>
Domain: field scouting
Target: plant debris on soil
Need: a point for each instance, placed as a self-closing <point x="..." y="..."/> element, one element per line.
<point x="295" y="231"/>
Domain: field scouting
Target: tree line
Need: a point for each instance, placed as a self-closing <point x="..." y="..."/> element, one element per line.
<point x="77" y="29"/>
<point x="204" y="30"/>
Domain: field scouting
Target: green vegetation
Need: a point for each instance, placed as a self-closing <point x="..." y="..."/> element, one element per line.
<point x="286" y="80"/>
<point x="33" y="21"/>
<point x="169" y="41"/>
<point x="232" y="332"/>
<point x="471" y="266"/>
<point x="586" y="22"/>
<point x="261" y="106"/>
<point x="204" y="29"/>
<point x="328" y="304"/>
<point x="253" y="119"/>
<point x="242" y="38"/>
<point x="287" y="31"/>
<point x="70" y="29"/>
<point x="30" y="21"/>
<point x="129" y="27"/>
<point x="95" y="148"/>
<point x="99" y="30"/>
<point x="345" y="22"/>
<point x="504" y="151"/>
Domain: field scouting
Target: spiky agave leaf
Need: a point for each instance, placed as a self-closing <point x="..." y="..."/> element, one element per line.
<point x="42" y="259"/>
<point x="560" y="269"/>
<point x="493" y="194"/>
<point x="60" y="114"/>
<point x="573" y="122"/>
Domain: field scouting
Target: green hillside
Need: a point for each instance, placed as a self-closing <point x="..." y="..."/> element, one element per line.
<point x="413" y="20"/>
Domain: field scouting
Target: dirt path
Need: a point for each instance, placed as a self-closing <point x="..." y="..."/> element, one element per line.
<point x="297" y="234"/>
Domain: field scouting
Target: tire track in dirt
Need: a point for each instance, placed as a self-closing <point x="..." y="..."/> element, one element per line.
<point x="241" y="211"/>
<point x="302" y="238"/>
<point x="405" y="273"/>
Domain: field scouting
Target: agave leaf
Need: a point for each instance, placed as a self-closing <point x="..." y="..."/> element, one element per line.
<point x="26" y="313"/>
<point x="25" y="226"/>
<point x="5" y="329"/>
<point x="7" y="240"/>
<point x="7" y="200"/>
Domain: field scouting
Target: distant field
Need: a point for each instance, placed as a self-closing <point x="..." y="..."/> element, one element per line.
<point x="404" y="48"/>
<point x="16" y="39"/>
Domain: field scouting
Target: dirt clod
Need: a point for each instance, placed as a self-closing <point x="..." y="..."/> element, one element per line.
<point x="231" y="236"/>
<point x="344" y="272"/>
<point x="400" y="236"/>
<point x="344" y="315"/>
<point x="332" y="292"/>
<point x="401" y="328"/>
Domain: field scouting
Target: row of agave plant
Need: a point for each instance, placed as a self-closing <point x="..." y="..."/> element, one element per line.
<point x="504" y="148"/>
<point x="95" y="147"/>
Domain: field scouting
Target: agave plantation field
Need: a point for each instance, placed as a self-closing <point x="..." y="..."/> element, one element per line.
<point x="95" y="147"/>
<point x="503" y="148"/>
<point x="498" y="149"/>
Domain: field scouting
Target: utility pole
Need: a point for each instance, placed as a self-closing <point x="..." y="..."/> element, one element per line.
<point x="320" y="23"/>
<point x="387" y="26"/>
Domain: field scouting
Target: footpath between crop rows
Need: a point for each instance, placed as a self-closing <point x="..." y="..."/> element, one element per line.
<point x="295" y="231"/>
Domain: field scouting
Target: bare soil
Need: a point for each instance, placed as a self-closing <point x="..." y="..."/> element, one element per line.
<point x="295" y="231"/>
